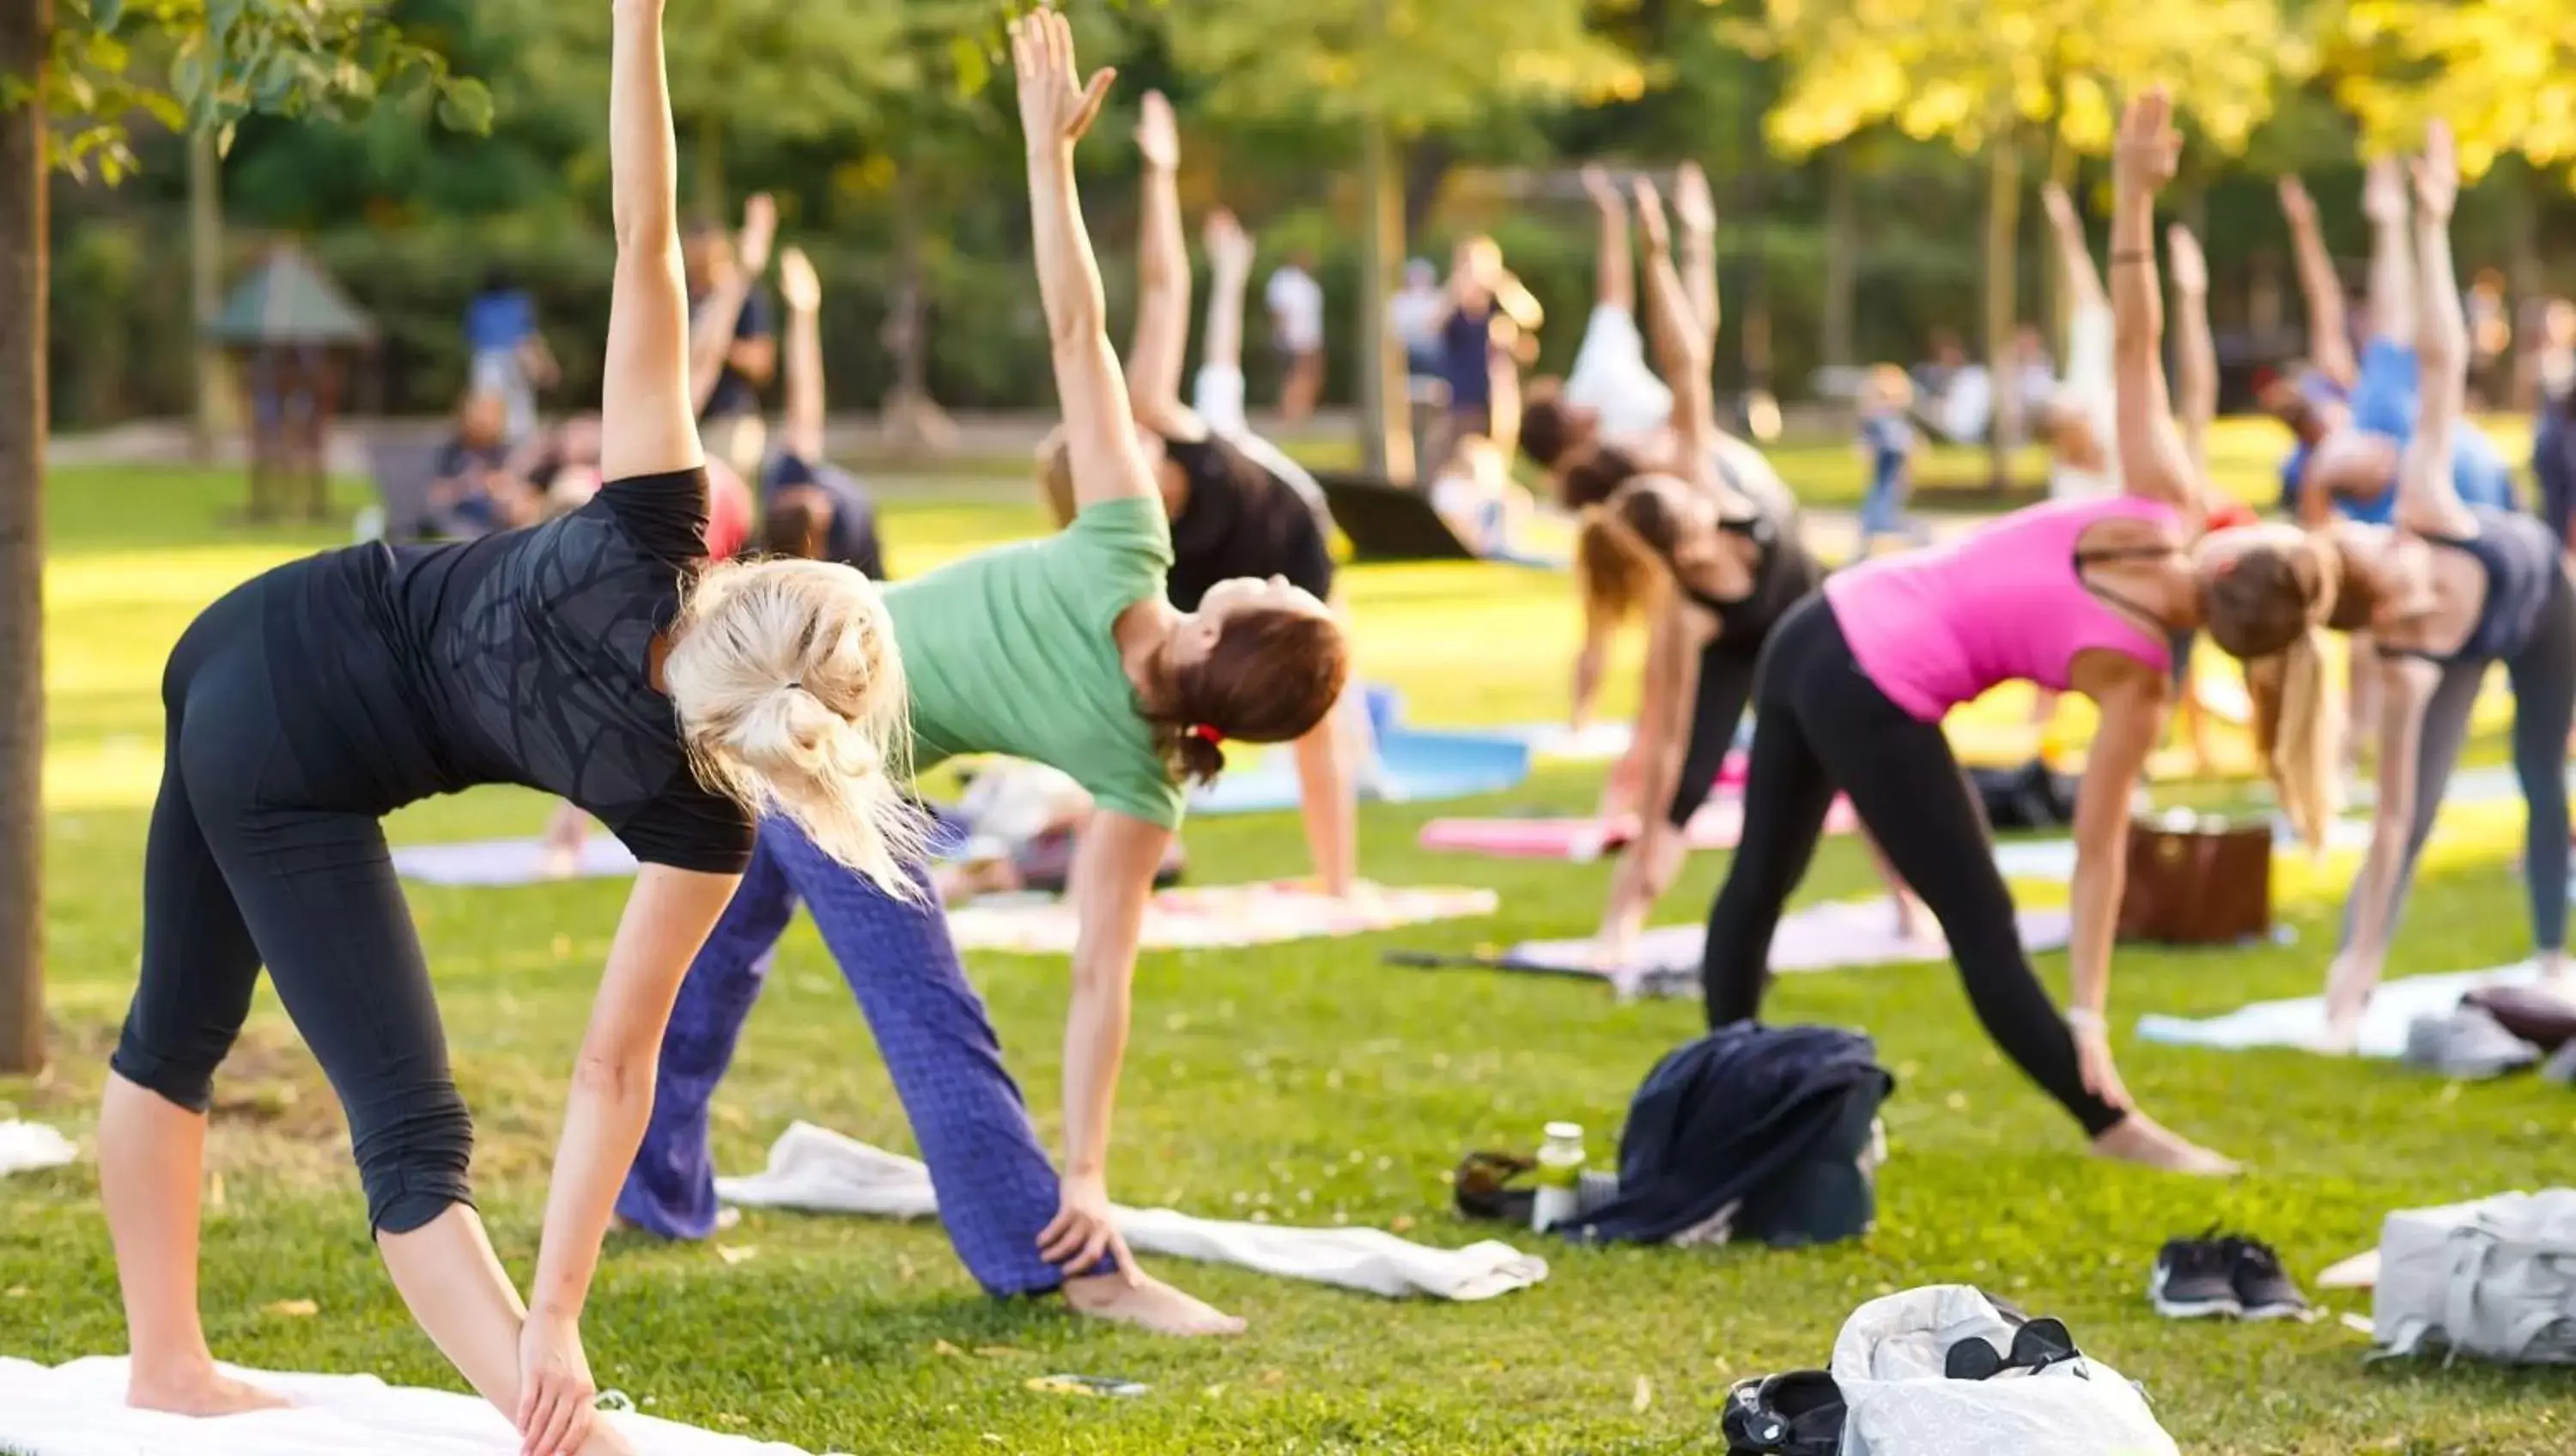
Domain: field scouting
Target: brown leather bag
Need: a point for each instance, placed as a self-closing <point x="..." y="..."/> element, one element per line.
<point x="2537" y="1014"/>
<point x="2197" y="881"/>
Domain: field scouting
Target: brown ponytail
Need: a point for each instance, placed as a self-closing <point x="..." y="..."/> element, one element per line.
<point x="1617" y="575"/>
<point x="1271" y="676"/>
<point x="2267" y="608"/>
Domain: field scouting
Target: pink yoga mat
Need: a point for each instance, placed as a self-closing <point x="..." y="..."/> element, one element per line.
<point x="1717" y="826"/>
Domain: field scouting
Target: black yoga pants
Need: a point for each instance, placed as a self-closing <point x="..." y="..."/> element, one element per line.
<point x="246" y="864"/>
<point x="1820" y="725"/>
<point x="1726" y="672"/>
<point x="2543" y="675"/>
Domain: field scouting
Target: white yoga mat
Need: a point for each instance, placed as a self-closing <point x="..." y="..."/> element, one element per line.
<point x="816" y="1170"/>
<point x="507" y="862"/>
<point x="1833" y="936"/>
<point x="26" y="1146"/>
<point x="2300" y="1024"/>
<point x="79" y="1409"/>
<point x="1210" y="917"/>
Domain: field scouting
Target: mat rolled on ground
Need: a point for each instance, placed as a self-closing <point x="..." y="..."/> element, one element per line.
<point x="79" y="1409"/>
<point x="815" y="1170"/>
<point x="1718" y="825"/>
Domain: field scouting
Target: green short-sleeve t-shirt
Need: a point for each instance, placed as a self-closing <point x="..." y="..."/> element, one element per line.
<point x="1012" y="651"/>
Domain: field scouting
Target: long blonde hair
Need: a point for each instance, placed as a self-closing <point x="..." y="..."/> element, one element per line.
<point x="2269" y="607"/>
<point x="791" y="698"/>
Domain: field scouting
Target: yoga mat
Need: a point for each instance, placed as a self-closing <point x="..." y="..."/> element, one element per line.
<point x="1210" y="917"/>
<point x="1836" y="935"/>
<point x="79" y="1409"/>
<point x="1598" y="743"/>
<point x="2300" y="1023"/>
<point x="507" y="862"/>
<point x="1410" y="768"/>
<point x="816" y="1170"/>
<point x="1718" y="825"/>
<point x="27" y="1146"/>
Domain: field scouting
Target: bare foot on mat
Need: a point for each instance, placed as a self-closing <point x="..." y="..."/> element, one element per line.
<point x="1149" y="1304"/>
<point x="2138" y="1139"/>
<point x="206" y="1393"/>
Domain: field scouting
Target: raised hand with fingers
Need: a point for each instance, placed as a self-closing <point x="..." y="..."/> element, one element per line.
<point x="797" y="283"/>
<point x="1056" y="105"/>
<point x="759" y="233"/>
<point x="2190" y="269"/>
<point x="2147" y="150"/>
<point x="1650" y="215"/>
<point x="2296" y="205"/>
<point x="2383" y="192"/>
<point x="2060" y="207"/>
<point x="1229" y="246"/>
<point x="2437" y="172"/>
<point x="1692" y="203"/>
<point x="1598" y="186"/>
<point x="1158" y="136"/>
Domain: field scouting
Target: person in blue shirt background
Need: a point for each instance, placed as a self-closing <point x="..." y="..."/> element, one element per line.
<point x="506" y="356"/>
<point x="1887" y="441"/>
<point x="733" y="336"/>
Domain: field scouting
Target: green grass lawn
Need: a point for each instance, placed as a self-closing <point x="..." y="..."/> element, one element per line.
<point x="1303" y="1083"/>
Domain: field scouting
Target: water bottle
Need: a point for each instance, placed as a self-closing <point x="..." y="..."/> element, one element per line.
<point x="1560" y="1177"/>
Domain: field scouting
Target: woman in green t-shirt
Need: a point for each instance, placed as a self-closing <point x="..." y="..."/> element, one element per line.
<point x="1066" y="652"/>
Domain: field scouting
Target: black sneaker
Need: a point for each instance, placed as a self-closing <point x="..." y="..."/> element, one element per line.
<point x="2195" y="1279"/>
<point x="2263" y="1290"/>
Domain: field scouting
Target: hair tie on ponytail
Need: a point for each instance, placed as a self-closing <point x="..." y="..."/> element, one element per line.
<point x="794" y="683"/>
<point x="1206" y="734"/>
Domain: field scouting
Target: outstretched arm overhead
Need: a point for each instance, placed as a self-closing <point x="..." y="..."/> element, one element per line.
<point x="2195" y="353"/>
<point x="712" y="345"/>
<point x="2154" y="463"/>
<point x="2083" y="284"/>
<point x="2427" y="498"/>
<point x="2329" y="335"/>
<point x="1056" y="108"/>
<point x="2392" y="262"/>
<point x="1163" y="280"/>
<point x="1615" y="269"/>
<point x="1696" y="211"/>
<point x="804" y="294"/>
<point x="1681" y="352"/>
<point x="1229" y="279"/>
<point x="649" y="422"/>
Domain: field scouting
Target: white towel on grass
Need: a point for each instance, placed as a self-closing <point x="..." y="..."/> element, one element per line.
<point x="2301" y="1023"/>
<point x="508" y="862"/>
<point x="79" y="1409"/>
<point x="816" y="1170"/>
<point x="29" y="1145"/>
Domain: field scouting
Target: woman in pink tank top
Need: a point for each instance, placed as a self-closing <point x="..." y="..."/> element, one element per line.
<point x="2080" y="596"/>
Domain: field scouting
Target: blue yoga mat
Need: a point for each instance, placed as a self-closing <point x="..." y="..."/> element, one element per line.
<point x="1411" y="768"/>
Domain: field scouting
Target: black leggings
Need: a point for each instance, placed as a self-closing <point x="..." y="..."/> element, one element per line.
<point x="1726" y="673"/>
<point x="1820" y="725"/>
<point x="246" y="864"/>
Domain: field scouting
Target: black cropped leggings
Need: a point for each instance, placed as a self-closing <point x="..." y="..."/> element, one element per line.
<point x="248" y="864"/>
<point x="1820" y="725"/>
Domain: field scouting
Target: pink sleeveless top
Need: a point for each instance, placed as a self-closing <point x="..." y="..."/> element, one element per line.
<point x="1937" y="627"/>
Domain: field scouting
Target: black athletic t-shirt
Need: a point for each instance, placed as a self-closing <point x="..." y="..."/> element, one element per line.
<point x="1240" y="520"/>
<point x="521" y="658"/>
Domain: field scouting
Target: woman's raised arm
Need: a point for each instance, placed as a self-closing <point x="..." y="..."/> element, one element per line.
<point x="648" y="425"/>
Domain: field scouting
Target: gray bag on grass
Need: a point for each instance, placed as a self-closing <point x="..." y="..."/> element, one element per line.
<point x="1891" y="1362"/>
<point x="2495" y="1279"/>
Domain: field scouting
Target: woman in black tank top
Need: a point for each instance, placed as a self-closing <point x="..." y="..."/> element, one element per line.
<point x="1239" y="507"/>
<point x="1732" y="565"/>
<point x="597" y="657"/>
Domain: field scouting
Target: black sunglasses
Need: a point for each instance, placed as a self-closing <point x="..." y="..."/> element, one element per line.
<point x="2035" y="1347"/>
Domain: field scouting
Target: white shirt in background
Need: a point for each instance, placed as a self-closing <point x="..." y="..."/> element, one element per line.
<point x="1414" y="317"/>
<point x="1611" y="378"/>
<point x="1296" y="304"/>
<point x="2087" y="388"/>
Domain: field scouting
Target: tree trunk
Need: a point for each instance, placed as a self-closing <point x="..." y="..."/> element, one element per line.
<point x="2526" y="284"/>
<point x="1386" y="416"/>
<point x="911" y="421"/>
<point x="1842" y="257"/>
<point x="26" y="28"/>
<point x="706" y="165"/>
<point x="206" y="282"/>
<point x="1427" y="163"/>
<point x="2061" y="289"/>
<point x="2003" y="221"/>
